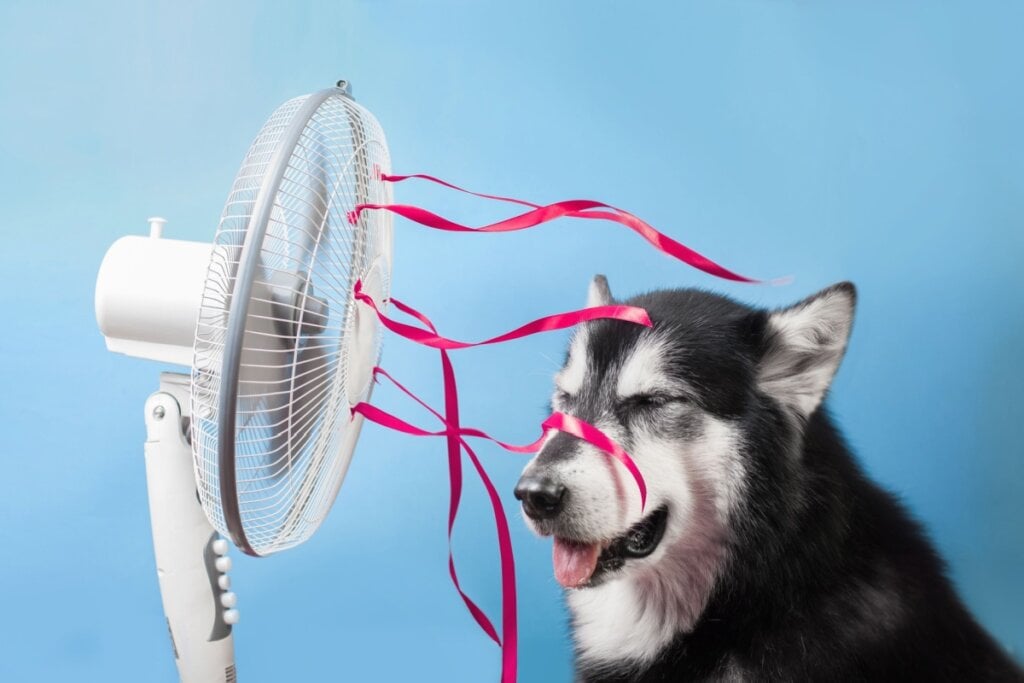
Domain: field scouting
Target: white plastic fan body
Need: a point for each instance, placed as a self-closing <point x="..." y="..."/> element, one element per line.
<point x="279" y="351"/>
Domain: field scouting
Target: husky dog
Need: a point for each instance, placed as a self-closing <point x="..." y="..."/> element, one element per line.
<point x="764" y="553"/>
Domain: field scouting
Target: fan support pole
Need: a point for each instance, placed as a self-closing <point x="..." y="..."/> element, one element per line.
<point x="191" y="560"/>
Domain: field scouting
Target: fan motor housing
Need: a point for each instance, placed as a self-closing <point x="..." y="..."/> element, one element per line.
<point x="147" y="296"/>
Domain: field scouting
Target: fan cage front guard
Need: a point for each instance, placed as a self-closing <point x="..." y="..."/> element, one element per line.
<point x="271" y="428"/>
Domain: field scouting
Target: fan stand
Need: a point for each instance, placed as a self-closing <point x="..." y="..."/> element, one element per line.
<point x="191" y="561"/>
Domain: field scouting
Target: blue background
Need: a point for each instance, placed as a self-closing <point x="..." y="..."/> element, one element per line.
<point x="829" y="141"/>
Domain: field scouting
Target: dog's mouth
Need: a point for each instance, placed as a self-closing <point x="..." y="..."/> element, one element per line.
<point x="583" y="564"/>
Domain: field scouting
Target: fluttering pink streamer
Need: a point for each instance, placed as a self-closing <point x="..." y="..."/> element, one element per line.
<point x="454" y="433"/>
<point x="558" y="421"/>
<point x="595" y="437"/>
<point x="540" y="213"/>
<point x="558" y="321"/>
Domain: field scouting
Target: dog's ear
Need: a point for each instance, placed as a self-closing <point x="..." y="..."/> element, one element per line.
<point x="803" y="346"/>
<point x="598" y="294"/>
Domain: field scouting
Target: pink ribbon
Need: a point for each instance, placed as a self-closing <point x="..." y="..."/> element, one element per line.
<point x="557" y="421"/>
<point x="455" y="435"/>
<point x="559" y="321"/>
<point x="538" y="213"/>
<point x="386" y="419"/>
<point x="508" y="582"/>
<point x="595" y="437"/>
<point x="453" y="432"/>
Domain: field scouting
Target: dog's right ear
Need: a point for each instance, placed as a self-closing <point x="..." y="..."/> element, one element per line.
<point x="803" y="346"/>
<point x="598" y="294"/>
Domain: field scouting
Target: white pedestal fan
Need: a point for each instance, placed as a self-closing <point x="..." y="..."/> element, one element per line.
<point x="254" y="443"/>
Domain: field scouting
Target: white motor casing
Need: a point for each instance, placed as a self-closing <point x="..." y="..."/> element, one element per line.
<point x="148" y="294"/>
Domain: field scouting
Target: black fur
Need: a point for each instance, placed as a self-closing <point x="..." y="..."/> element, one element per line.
<point x="829" y="577"/>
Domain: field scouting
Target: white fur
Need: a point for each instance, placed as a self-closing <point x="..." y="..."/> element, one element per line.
<point x="636" y="612"/>
<point x="717" y="456"/>
<point x="612" y="621"/>
<point x="598" y="293"/>
<point x="642" y="372"/>
<point x="810" y="339"/>
<point x="612" y="624"/>
<point x="600" y="504"/>
<point x="570" y="378"/>
<point x="655" y="598"/>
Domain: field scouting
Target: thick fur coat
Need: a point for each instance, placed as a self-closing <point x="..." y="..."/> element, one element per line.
<point x="764" y="553"/>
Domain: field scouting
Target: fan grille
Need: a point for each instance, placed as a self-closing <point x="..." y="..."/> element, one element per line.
<point x="292" y="429"/>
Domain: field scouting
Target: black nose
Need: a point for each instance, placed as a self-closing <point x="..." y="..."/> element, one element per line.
<point x="542" y="497"/>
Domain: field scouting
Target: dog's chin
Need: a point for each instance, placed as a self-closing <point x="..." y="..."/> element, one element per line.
<point x="586" y="562"/>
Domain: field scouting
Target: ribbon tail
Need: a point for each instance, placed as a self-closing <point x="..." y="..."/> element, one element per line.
<point x="572" y="209"/>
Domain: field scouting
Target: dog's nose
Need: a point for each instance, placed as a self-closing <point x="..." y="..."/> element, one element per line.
<point x="541" y="496"/>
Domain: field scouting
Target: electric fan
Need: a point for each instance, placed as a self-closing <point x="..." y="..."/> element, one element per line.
<point x="255" y="443"/>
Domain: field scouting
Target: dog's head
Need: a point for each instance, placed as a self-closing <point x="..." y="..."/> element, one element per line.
<point x="676" y="396"/>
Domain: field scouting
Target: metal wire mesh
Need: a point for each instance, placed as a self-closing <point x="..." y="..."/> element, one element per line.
<point x="293" y="433"/>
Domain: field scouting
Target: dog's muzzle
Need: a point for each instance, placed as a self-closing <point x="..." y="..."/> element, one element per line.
<point x="583" y="556"/>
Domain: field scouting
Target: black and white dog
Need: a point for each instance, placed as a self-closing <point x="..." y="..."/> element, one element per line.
<point x="764" y="552"/>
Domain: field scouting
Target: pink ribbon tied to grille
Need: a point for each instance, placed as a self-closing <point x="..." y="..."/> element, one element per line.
<point x="454" y="433"/>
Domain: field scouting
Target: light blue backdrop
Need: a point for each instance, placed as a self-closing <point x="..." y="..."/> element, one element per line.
<point x="828" y="141"/>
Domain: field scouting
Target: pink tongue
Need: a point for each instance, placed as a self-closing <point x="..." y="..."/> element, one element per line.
<point x="574" y="562"/>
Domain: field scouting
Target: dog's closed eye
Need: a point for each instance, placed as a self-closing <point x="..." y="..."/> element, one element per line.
<point x="652" y="401"/>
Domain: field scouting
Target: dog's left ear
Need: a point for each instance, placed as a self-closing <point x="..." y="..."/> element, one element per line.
<point x="599" y="294"/>
<point x="803" y="346"/>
